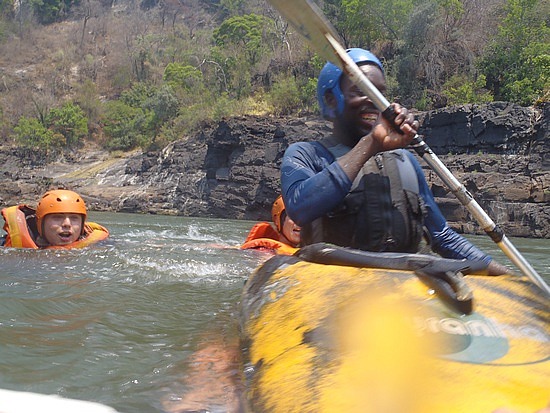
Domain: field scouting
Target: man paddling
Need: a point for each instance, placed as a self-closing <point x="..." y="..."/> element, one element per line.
<point x="359" y="188"/>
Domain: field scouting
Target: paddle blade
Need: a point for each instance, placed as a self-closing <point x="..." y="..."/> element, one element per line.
<point x="306" y="17"/>
<point x="311" y="23"/>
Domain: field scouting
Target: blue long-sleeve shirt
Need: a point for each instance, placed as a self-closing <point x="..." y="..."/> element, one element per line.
<point x="313" y="184"/>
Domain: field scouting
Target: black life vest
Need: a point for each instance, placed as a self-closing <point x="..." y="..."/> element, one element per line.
<point x="382" y="212"/>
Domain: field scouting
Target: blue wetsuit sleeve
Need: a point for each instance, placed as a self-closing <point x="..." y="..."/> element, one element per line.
<point x="443" y="239"/>
<point x="312" y="182"/>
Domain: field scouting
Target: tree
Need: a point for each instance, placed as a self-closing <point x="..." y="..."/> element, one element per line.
<point x="182" y="76"/>
<point x="30" y="133"/>
<point x="126" y="127"/>
<point x="460" y="90"/>
<point x="163" y="106"/>
<point x="517" y="62"/>
<point x="49" y="11"/>
<point x="68" y="121"/>
<point x="6" y="8"/>
<point x="245" y="34"/>
<point x="369" y="21"/>
<point x="233" y="7"/>
<point x="442" y="39"/>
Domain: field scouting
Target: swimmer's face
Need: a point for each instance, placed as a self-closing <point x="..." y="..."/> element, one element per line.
<point x="62" y="229"/>
<point x="291" y="231"/>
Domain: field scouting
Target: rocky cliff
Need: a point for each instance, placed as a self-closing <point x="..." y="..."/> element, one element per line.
<point x="500" y="152"/>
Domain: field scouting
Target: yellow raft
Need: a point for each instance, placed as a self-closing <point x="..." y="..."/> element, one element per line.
<point x="338" y="338"/>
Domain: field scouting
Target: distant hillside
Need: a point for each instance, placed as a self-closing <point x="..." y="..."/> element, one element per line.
<point x="146" y="73"/>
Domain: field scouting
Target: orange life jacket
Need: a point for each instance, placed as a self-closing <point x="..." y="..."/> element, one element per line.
<point x="20" y="236"/>
<point x="263" y="236"/>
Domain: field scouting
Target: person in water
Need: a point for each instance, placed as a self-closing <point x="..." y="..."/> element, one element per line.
<point x="283" y="239"/>
<point x="359" y="188"/>
<point x="59" y="221"/>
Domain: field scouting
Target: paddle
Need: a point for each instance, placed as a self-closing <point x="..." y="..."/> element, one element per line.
<point x="309" y="20"/>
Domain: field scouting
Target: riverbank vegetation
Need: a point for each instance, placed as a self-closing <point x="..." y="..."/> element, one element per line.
<point x="141" y="73"/>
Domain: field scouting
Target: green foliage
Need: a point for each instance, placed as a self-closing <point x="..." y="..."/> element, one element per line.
<point x="309" y="95"/>
<point x="223" y="107"/>
<point x="189" y="120"/>
<point x="516" y="63"/>
<point x="49" y="11"/>
<point x="182" y="76"/>
<point x="233" y="7"/>
<point x="87" y="99"/>
<point x="288" y="95"/>
<point x="453" y="8"/>
<point x="32" y="134"/>
<point x="122" y="77"/>
<point x="6" y="8"/>
<point x="136" y="120"/>
<point x="213" y="107"/>
<point x="245" y="34"/>
<point x="141" y="56"/>
<point x="68" y="121"/>
<point x="162" y="106"/>
<point x="241" y="83"/>
<point x="533" y="83"/>
<point x="367" y="22"/>
<point x="436" y="45"/>
<point x="2" y="30"/>
<point x="285" y="96"/>
<point x="186" y="72"/>
<point x="62" y="127"/>
<point x="460" y="90"/>
<point x="423" y="102"/>
<point x="126" y="127"/>
<point x="138" y="94"/>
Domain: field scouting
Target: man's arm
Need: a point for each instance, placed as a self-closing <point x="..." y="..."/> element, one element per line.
<point x="443" y="239"/>
<point x="312" y="182"/>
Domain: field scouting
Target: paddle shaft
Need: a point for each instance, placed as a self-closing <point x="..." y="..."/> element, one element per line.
<point x="466" y="199"/>
<point x="308" y="19"/>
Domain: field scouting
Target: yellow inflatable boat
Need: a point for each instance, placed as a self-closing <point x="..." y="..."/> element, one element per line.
<point x="338" y="330"/>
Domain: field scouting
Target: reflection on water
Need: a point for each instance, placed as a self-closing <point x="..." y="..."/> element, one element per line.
<point x="128" y="323"/>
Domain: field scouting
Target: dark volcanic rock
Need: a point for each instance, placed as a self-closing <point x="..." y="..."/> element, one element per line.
<point x="500" y="152"/>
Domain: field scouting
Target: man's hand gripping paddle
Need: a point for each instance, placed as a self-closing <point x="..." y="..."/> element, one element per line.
<point x="309" y="20"/>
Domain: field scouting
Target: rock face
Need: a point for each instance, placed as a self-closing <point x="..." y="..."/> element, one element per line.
<point x="500" y="152"/>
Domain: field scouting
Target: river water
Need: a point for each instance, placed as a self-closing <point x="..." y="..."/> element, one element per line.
<point x="118" y="323"/>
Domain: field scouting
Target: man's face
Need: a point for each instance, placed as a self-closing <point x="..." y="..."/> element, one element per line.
<point x="359" y="113"/>
<point x="62" y="229"/>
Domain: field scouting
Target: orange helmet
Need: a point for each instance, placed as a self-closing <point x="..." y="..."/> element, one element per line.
<point x="277" y="212"/>
<point x="59" y="201"/>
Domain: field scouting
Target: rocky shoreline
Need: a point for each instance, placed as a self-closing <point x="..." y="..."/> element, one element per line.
<point x="499" y="151"/>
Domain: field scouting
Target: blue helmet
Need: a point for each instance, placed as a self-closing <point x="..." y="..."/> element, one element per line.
<point x="329" y="79"/>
